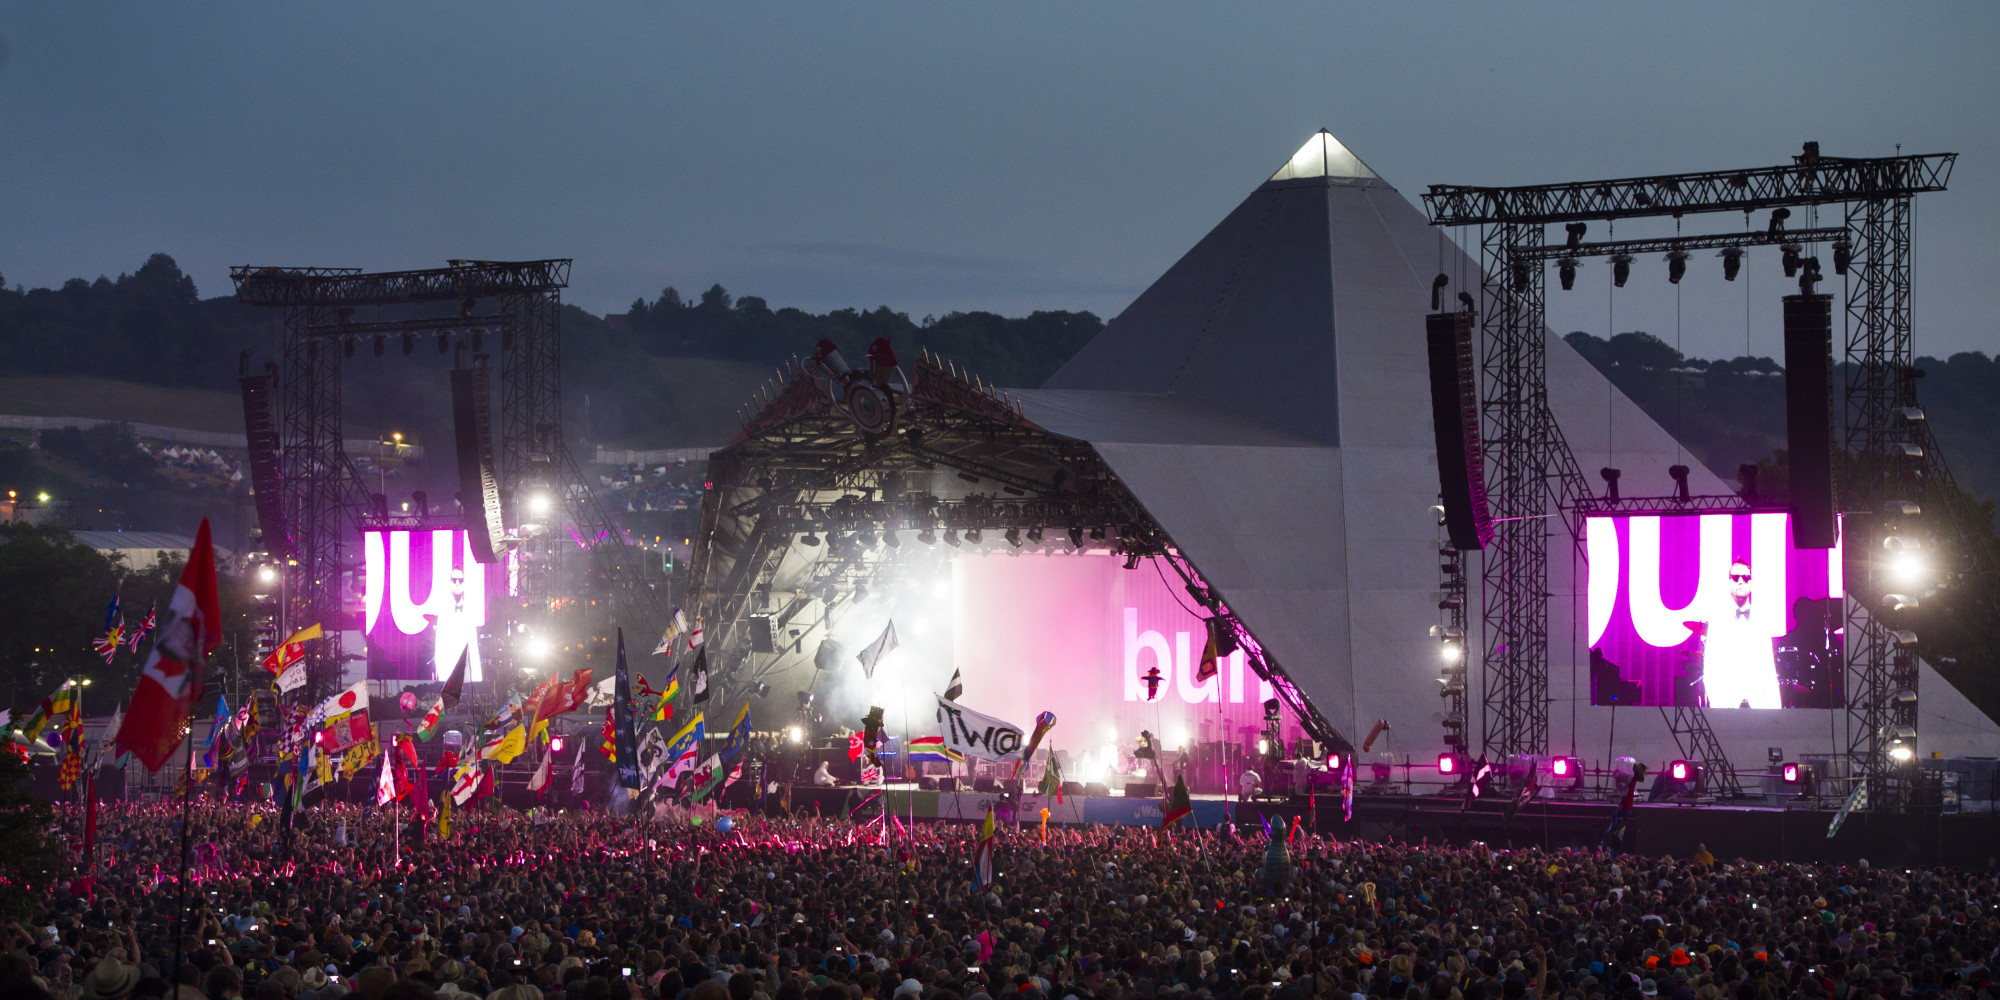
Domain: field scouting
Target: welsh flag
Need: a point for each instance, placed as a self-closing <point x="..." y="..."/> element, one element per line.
<point x="172" y="677"/>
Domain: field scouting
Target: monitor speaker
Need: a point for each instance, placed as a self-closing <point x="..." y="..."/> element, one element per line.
<point x="1072" y="788"/>
<point x="1809" y="418"/>
<point x="478" y="478"/>
<point x="1097" y="788"/>
<point x="985" y="785"/>
<point x="260" y="426"/>
<point x="1141" y="790"/>
<point x="1455" y="420"/>
<point x="948" y="783"/>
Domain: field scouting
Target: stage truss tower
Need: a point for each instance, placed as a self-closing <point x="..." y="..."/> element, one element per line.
<point x="1530" y="466"/>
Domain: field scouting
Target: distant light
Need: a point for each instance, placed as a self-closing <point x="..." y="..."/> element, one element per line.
<point x="1900" y="754"/>
<point x="268" y="574"/>
<point x="1447" y="763"/>
<point x="43" y="497"/>
<point x="538" y="504"/>
<point x="1452" y="652"/>
<point x="1562" y="767"/>
<point x="556" y="743"/>
<point x="1680" y="770"/>
<point x="396" y="436"/>
<point x="1907" y="567"/>
<point x="795" y="734"/>
<point x="538" y="647"/>
<point x="1790" y="774"/>
<point x="1333" y="762"/>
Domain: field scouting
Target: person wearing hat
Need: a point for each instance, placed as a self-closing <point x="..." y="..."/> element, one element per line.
<point x="1649" y="988"/>
<point x="110" y="979"/>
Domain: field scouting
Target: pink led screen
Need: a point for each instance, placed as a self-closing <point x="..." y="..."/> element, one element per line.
<point x="424" y="603"/>
<point x="1713" y="609"/>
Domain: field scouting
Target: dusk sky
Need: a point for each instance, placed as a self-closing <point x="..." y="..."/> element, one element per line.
<point x="933" y="157"/>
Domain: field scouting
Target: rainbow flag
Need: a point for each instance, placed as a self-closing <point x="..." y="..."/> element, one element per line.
<point x="933" y="749"/>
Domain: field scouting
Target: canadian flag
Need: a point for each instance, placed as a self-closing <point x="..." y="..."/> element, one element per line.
<point x="171" y="681"/>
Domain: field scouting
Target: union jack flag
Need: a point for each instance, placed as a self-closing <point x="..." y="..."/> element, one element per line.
<point x="107" y="644"/>
<point x="144" y="628"/>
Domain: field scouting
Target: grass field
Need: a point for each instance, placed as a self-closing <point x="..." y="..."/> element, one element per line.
<point x="106" y="399"/>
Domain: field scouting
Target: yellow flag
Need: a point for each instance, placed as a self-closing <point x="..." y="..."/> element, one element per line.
<point x="510" y="746"/>
<point x="444" y="816"/>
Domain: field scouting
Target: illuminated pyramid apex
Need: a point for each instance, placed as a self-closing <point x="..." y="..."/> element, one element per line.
<point x="1322" y="156"/>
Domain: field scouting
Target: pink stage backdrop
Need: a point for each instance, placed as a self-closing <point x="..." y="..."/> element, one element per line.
<point x="424" y="600"/>
<point x="1686" y="608"/>
<point x="1074" y="634"/>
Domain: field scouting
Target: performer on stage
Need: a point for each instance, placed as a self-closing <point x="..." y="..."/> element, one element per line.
<point x="1738" y="669"/>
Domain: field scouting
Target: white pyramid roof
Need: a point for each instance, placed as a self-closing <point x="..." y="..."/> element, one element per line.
<point x="1322" y="156"/>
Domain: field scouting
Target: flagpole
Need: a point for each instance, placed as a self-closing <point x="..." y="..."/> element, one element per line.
<point x="187" y="809"/>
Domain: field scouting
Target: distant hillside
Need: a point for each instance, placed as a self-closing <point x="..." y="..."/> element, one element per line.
<point x="131" y="402"/>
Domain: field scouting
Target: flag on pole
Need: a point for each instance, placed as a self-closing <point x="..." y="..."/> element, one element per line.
<point x="872" y="654"/>
<point x="539" y="783"/>
<point x="932" y="749"/>
<point x="708" y="776"/>
<point x="626" y="754"/>
<point x="1210" y="658"/>
<point x="507" y="747"/>
<point x="108" y="643"/>
<point x="1858" y="799"/>
<point x="677" y="626"/>
<point x="738" y="738"/>
<point x="291" y="651"/>
<point x="216" y="728"/>
<point x="576" y="772"/>
<point x="1178" y="806"/>
<point x="1043" y="723"/>
<point x="454" y="687"/>
<point x="663" y="710"/>
<point x="956" y="689"/>
<point x="172" y="677"/>
<point x="683" y="750"/>
<point x="694" y="636"/>
<point x="698" y="677"/>
<point x="385" y="786"/>
<point x="145" y="628"/>
<point x="1347" y="789"/>
<point x="982" y="854"/>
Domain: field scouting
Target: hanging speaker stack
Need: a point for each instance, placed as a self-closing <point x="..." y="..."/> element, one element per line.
<point x="1809" y="418"/>
<point x="478" y="480"/>
<point x="1455" y="418"/>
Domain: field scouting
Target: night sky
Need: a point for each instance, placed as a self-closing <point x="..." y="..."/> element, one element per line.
<point x="934" y="157"/>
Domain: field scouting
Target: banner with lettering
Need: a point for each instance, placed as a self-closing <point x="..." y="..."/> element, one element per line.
<point x="974" y="735"/>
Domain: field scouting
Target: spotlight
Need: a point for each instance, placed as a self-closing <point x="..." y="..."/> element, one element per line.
<point x="556" y="743"/>
<point x="1677" y="266"/>
<point x="795" y="734"/>
<point x="1013" y="536"/>
<point x="1621" y="269"/>
<point x="1333" y="762"/>
<point x="1732" y="263"/>
<point x="538" y="647"/>
<point x="409" y="344"/>
<point x="1564" y="767"/>
<point x="538" y="504"/>
<point x="1680" y="770"/>
<point x="1788" y="254"/>
<point x="951" y="537"/>
<point x="808" y="539"/>
<point x="1843" y="255"/>
<point x="1271" y="710"/>
<point x="1789" y="773"/>
<point x="1097" y="534"/>
<point x="1566" y="271"/>
<point x="1679" y="474"/>
<point x="1610" y="483"/>
<point x="1576" y="231"/>
<point x="381" y="344"/>
<point x="1448" y="763"/>
<point x="1076" y="538"/>
<point x="1523" y="277"/>
<point x="972" y="535"/>
<point x="927" y="536"/>
<point x="1263" y="745"/>
<point x="268" y="574"/>
<point x="866" y="538"/>
<point x="1901" y="754"/>
<point x="1452" y="651"/>
<point x="889" y="539"/>
<point x="1035" y="535"/>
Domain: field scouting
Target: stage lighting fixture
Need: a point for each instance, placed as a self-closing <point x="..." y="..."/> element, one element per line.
<point x="409" y="344"/>
<point x="866" y="538"/>
<point x="1679" y="474"/>
<point x="537" y="647"/>
<point x="1788" y="255"/>
<point x="347" y="347"/>
<point x="1566" y="271"/>
<point x="1013" y="536"/>
<point x="796" y="734"/>
<point x="973" y="535"/>
<point x="1451" y="651"/>
<point x="1610" y="477"/>
<point x="1263" y="746"/>
<point x="1576" y="231"/>
<point x="1843" y="255"/>
<point x="761" y="690"/>
<point x="268" y="574"/>
<point x="1565" y="768"/>
<point x="1076" y="538"/>
<point x="889" y="538"/>
<point x="808" y="539"/>
<point x="1901" y="754"/>
<point x="1677" y="266"/>
<point x="1035" y="535"/>
<point x="1732" y="263"/>
<point x="951" y="537"/>
<point x="1789" y="773"/>
<point x="556" y="743"/>
<point x="1272" y="710"/>
<point x="1097" y="534"/>
<point x="381" y="344"/>
<point x="1680" y="770"/>
<point x="1778" y="217"/>
<point x="927" y="536"/>
<point x="1333" y="762"/>
<point x="1523" y="277"/>
<point x="538" y="505"/>
<point x="1448" y="763"/>
<point x="1621" y="269"/>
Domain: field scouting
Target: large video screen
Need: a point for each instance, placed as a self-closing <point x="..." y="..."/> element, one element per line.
<point x="425" y="601"/>
<point x="1711" y="609"/>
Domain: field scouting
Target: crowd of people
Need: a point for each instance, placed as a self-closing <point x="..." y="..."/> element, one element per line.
<point x="685" y="906"/>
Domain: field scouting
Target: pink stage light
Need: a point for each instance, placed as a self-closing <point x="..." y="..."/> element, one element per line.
<point x="1791" y="774"/>
<point x="1562" y="767"/>
<point x="1333" y="762"/>
<point x="1680" y="770"/>
<point x="1447" y="763"/>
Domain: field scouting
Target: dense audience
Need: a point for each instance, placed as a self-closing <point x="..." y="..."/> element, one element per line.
<point x="585" y="906"/>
